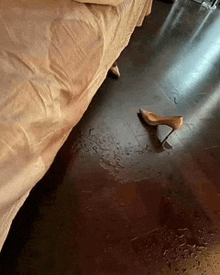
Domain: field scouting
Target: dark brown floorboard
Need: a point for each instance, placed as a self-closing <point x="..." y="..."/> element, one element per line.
<point x="115" y="200"/>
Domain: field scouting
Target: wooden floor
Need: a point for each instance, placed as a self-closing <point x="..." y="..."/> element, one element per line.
<point x="116" y="201"/>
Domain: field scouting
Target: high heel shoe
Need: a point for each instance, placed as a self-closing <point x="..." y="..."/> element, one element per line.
<point x="115" y="70"/>
<point x="175" y="122"/>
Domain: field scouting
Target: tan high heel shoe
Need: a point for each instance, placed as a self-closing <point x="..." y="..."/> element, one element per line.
<point x="175" y="122"/>
<point x="115" y="70"/>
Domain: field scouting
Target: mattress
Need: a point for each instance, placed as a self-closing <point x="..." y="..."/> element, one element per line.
<point x="54" y="55"/>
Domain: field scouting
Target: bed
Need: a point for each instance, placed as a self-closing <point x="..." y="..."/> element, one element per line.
<point x="54" y="55"/>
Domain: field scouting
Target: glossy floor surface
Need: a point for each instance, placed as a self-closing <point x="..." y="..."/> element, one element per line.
<point x="116" y="201"/>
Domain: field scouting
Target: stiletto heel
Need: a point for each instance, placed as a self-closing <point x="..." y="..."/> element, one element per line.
<point x="167" y="136"/>
<point x="175" y="122"/>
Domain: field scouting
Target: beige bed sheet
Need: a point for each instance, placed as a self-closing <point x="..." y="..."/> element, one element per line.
<point x="102" y="2"/>
<point x="54" y="55"/>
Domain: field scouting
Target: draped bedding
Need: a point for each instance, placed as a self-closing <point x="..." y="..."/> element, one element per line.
<point x="102" y="2"/>
<point x="54" y="55"/>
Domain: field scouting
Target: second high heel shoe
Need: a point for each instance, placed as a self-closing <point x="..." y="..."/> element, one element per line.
<point x="115" y="70"/>
<point x="175" y="122"/>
